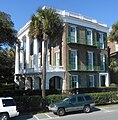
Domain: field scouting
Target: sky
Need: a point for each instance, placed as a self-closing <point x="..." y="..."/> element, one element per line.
<point x="105" y="11"/>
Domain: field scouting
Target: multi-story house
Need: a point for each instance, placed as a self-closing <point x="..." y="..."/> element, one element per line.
<point x="79" y="60"/>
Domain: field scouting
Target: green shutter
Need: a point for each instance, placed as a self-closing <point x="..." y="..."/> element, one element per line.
<point x="94" y="37"/>
<point x="69" y="59"/>
<point x="98" y="42"/>
<point x="106" y="62"/>
<point x="54" y="58"/>
<point x="69" y="34"/>
<point x="95" y="80"/>
<point x="70" y="82"/>
<point x="87" y="81"/>
<point x="86" y="60"/>
<point x="105" y="40"/>
<point x="86" y="41"/>
<point x="78" y="60"/>
<point x="77" y="35"/>
<point x="94" y="60"/>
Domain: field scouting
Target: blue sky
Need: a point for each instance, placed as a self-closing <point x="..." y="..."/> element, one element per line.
<point x="105" y="11"/>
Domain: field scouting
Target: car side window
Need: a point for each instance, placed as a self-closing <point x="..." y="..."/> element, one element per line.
<point x="8" y="102"/>
<point x="87" y="97"/>
<point x="73" y="100"/>
<point x="80" y="99"/>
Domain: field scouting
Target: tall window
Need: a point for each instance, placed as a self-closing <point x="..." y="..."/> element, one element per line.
<point x="24" y="50"/>
<point x="89" y="37"/>
<point x="73" y="59"/>
<point x="73" y="34"/>
<point x="101" y="40"/>
<point x="57" y="58"/>
<point x="102" y="62"/>
<point x="90" y="61"/>
<point x="91" y="81"/>
<point x="74" y="81"/>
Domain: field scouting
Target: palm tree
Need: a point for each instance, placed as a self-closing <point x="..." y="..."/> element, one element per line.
<point x="46" y="25"/>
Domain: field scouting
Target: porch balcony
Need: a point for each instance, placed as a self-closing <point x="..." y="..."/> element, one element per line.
<point x="39" y="69"/>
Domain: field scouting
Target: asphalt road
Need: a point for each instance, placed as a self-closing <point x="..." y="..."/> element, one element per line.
<point x="103" y="113"/>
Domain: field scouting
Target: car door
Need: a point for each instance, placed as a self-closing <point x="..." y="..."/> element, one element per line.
<point x="80" y="102"/>
<point x="72" y="104"/>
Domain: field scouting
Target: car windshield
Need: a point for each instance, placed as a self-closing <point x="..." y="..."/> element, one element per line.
<point x="66" y="99"/>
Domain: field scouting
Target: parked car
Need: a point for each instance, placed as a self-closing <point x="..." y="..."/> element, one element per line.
<point x="72" y="103"/>
<point x="8" y="108"/>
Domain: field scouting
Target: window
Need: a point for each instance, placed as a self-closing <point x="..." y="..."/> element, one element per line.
<point x="57" y="58"/>
<point x="89" y="37"/>
<point x="80" y="99"/>
<point x="74" y="81"/>
<point x="101" y="40"/>
<point x="91" y="81"/>
<point x="73" y="34"/>
<point x="87" y="97"/>
<point x="102" y="62"/>
<point x="90" y="61"/>
<point x="73" y="59"/>
<point x="73" y="100"/>
<point x="8" y="102"/>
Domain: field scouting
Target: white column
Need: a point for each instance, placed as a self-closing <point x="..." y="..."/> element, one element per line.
<point x="27" y="52"/>
<point x="17" y="60"/>
<point x="21" y="56"/>
<point x="35" y="49"/>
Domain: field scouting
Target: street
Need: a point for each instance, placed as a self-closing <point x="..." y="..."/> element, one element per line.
<point x="103" y="113"/>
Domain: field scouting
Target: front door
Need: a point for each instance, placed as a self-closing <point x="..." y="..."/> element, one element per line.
<point x="102" y="80"/>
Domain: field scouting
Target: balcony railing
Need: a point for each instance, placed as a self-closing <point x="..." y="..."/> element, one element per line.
<point x="86" y="68"/>
<point x="86" y="42"/>
<point x="39" y="69"/>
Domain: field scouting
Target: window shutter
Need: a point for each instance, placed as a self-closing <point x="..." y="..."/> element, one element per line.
<point x="87" y="81"/>
<point x="78" y="60"/>
<point x="86" y="41"/>
<point x="69" y="34"/>
<point x="106" y="62"/>
<point x="86" y="60"/>
<point x="69" y="59"/>
<point x="94" y="37"/>
<point x="98" y="42"/>
<point x="70" y="82"/>
<point x="77" y="35"/>
<point x="95" y="80"/>
<point x="54" y="58"/>
<point x="105" y="40"/>
<point x="94" y="60"/>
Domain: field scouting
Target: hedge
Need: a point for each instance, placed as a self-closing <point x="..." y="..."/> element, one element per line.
<point x="37" y="103"/>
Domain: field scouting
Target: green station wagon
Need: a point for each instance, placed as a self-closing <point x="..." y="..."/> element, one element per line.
<point x="72" y="103"/>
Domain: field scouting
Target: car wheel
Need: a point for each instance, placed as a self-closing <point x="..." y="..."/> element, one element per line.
<point x="4" y="116"/>
<point x="87" y="109"/>
<point x="61" y="112"/>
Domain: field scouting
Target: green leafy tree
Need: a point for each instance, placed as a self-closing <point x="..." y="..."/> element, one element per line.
<point x="113" y="65"/>
<point x="46" y="25"/>
<point x="113" y="36"/>
<point x="7" y="31"/>
<point x="7" y="58"/>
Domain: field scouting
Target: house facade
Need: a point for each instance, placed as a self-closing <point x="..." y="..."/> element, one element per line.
<point x="79" y="60"/>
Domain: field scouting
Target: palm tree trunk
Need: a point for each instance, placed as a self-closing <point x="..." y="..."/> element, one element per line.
<point x="44" y="67"/>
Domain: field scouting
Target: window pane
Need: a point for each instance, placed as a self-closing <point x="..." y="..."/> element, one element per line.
<point x="88" y="97"/>
<point x="80" y="99"/>
<point x="8" y="102"/>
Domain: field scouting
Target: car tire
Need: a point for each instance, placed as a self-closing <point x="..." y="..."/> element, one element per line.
<point x="87" y="109"/>
<point x="61" y="112"/>
<point x="4" y="116"/>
